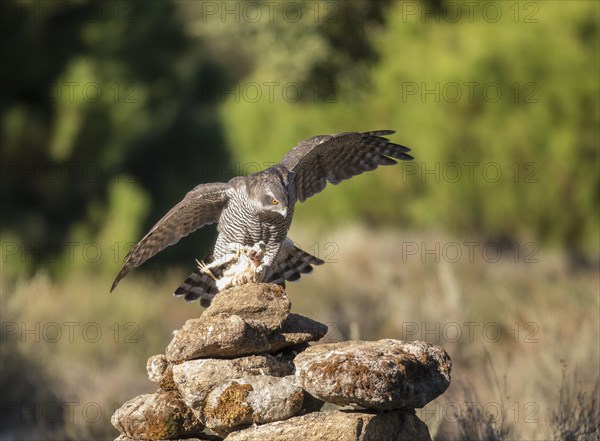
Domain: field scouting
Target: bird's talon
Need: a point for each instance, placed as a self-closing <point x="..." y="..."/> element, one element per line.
<point x="204" y="269"/>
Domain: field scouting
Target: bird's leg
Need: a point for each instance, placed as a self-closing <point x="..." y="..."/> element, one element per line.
<point x="226" y="259"/>
<point x="263" y="270"/>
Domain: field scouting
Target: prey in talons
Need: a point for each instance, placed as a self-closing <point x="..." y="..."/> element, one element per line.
<point x="236" y="267"/>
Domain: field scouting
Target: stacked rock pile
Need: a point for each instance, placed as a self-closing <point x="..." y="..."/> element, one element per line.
<point x="244" y="371"/>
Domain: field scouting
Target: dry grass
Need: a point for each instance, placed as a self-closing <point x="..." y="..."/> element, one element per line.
<point x="576" y="414"/>
<point x="89" y="347"/>
<point x="521" y="319"/>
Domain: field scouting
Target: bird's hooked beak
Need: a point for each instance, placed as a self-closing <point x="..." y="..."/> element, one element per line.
<point x="282" y="211"/>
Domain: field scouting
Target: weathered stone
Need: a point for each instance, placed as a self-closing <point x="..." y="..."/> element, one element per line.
<point x="311" y="404"/>
<point x="295" y="330"/>
<point x="196" y="378"/>
<point x="385" y="374"/>
<point x="251" y="400"/>
<point x="160" y="372"/>
<point x="161" y="415"/>
<point x="199" y="437"/>
<point x="339" y="426"/>
<point x="224" y="335"/>
<point x="265" y="302"/>
<point x="220" y="335"/>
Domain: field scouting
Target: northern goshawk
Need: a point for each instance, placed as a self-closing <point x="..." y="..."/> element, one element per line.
<point x="257" y="210"/>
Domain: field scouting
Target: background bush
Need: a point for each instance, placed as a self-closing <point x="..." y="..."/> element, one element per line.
<point x="111" y="112"/>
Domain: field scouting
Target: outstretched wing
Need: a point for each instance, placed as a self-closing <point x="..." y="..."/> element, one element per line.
<point x="200" y="207"/>
<point x="335" y="158"/>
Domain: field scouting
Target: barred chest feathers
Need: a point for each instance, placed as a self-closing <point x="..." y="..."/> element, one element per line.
<point x="246" y="221"/>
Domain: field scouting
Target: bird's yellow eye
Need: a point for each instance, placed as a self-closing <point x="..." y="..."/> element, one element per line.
<point x="275" y="202"/>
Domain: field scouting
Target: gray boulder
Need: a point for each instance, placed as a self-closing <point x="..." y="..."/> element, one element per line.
<point x="199" y="437"/>
<point x="220" y="335"/>
<point x="195" y="379"/>
<point x="251" y="400"/>
<point x="225" y="335"/>
<point x="339" y="426"/>
<point x="157" y="416"/>
<point x="266" y="303"/>
<point x="160" y="372"/>
<point x="383" y="375"/>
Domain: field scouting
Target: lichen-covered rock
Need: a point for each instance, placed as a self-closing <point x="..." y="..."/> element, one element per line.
<point x="221" y="335"/>
<point x="225" y="335"/>
<point x="161" y="415"/>
<point x="199" y="437"/>
<point x="384" y="374"/>
<point x="251" y="400"/>
<point x="218" y="376"/>
<point x="264" y="302"/>
<point x="160" y="372"/>
<point x="339" y="426"/>
<point x="195" y="379"/>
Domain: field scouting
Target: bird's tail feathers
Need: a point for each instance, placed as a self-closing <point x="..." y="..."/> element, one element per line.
<point x="292" y="265"/>
<point x="198" y="285"/>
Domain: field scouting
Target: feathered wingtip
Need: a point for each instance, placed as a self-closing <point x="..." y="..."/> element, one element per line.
<point x="392" y="150"/>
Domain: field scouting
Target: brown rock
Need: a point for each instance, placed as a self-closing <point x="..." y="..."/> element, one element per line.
<point x="339" y="426"/>
<point x="251" y="400"/>
<point x="264" y="302"/>
<point x="224" y="335"/>
<point x="195" y="379"/>
<point x="220" y="335"/>
<point x="200" y="437"/>
<point x="161" y="415"/>
<point x="385" y="374"/>
<point x="295" y="330"/>
<point x="311" y="404"/>
<point x="160" y="372"/>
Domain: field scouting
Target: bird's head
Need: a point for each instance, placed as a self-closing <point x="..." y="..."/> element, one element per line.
<point x="268" y="192"/>
<point x="274" y="199"/>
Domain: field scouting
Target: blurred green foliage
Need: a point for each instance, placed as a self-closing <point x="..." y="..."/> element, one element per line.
<point x="111" y="111"/>
<point x="503" y="117"/>
<point x="103" y="127"/>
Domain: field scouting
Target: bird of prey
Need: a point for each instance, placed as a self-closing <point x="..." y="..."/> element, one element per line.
<point x="259" y="208"/>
